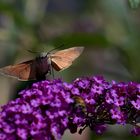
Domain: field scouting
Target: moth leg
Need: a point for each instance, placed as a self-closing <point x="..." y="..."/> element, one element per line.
<point x="52" y="72"/>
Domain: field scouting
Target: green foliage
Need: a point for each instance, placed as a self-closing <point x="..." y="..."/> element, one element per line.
<point x="134" y="3"/>
<point x="84" y="39"/>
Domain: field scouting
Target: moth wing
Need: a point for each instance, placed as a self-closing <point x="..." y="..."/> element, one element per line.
<point x="28" y="73"/>
<point x="22" y="71"/>
<point x="60" y="63"/>
<point x="63" y="59"/>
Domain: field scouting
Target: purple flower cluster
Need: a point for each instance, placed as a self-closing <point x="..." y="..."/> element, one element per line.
<point x="48" y="108"/>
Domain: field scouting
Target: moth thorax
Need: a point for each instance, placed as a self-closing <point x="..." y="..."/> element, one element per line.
<point x="49" y="60"/>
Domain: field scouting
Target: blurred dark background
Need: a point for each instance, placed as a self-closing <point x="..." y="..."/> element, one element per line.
<point x="109" y="30"/>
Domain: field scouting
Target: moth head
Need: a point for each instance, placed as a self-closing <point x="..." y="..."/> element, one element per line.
<point x="43" y="54"/>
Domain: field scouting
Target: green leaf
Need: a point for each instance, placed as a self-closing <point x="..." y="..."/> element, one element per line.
<point x="134" y="3"/>
<point x="96" y="40"/>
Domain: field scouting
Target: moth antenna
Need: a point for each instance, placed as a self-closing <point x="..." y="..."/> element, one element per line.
<point x="56" y="48"/>
<point x="32" y="51"/>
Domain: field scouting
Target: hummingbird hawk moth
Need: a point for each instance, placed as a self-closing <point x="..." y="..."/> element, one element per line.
<point x="37" y="68"/>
